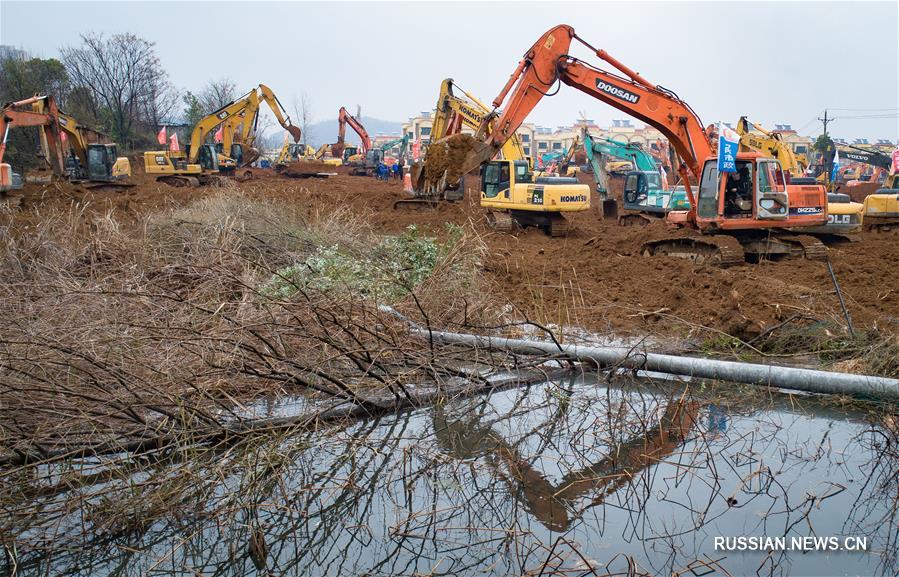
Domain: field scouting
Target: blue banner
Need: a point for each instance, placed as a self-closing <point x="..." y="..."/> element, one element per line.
<point x="835" y="171"/>
<point x="728" y="145"/>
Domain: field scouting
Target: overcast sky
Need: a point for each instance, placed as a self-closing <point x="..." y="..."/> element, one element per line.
<point x="775" y="62"/>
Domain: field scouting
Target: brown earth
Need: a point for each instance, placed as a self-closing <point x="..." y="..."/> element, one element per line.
<point x="858" y="192"/>
<point x="447" y="157"/>
<point x="594" y="278"/>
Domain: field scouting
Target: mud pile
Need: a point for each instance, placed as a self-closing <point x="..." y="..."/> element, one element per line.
<point x="447" y="156"/>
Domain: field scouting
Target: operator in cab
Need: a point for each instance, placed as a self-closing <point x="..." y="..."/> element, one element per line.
<point x="738" y="191"/>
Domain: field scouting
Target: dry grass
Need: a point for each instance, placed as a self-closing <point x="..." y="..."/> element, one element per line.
<point x="115" y="333"/>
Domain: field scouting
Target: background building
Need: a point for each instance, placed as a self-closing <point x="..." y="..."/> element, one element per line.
<point x="538" y="140"/>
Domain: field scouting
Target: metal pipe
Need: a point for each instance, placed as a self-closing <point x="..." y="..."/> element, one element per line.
<point x="809" y="380"/>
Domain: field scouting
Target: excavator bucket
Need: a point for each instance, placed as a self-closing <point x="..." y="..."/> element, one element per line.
<point x="295" y="132"/>
<point x="609" y="209"/>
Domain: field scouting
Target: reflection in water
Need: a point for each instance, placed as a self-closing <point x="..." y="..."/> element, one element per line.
<point x="465" y="437"/>
<point x="561" y="479"/>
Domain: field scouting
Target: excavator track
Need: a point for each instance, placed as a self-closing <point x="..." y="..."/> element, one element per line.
<point x="109" y="186"/>
<point x="179" y="181"/>
<point x="805" y="245"/>
<point x="500" y="221"/>
<point x="633" y="219"/>
<point x="416" y="204"/>
<point x="558" y="226"/>
<point x="718" y="250"/>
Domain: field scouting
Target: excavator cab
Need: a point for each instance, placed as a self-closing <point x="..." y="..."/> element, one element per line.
<point x="636" y="189"/>
<point x="105" y="165"/>
<point x="208" y="158"/>
<point x="514" y="197"/>
<point x="756" y="191"/>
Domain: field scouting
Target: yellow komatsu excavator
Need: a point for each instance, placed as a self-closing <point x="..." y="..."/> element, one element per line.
<point x="843" y="215"/>
<point x="455" y="111"/>
<point x="512" y="194"/>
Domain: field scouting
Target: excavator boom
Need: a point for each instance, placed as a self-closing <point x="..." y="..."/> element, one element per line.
<point x="548" y="62"/>
<point x="246" y="117"/>
<point x="211" y="121"/>
<point x="752" y="202"/>
<point x="344" y="118"/>
<point x="453" y="111"/>
<point x="280" y="113"/>
<point x="769" y="144"/>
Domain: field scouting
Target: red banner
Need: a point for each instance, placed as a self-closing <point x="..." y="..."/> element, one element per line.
<point x="173" y="143"/>
<point x="161" y="137"/>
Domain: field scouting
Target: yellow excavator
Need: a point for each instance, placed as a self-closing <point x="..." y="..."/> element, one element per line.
<point x="843" y="215"/>
<point x="202" y="163"/>
<point x="512" y="194"/>
<point x="239" y="131"/>
<point x="96" y="163"/>
<point x="882" y="207"/>
<point x="454" y="111"/>
<point x="292" y="152"/>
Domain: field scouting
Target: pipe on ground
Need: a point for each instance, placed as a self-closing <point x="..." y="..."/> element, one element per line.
<point x="809" y="380"/>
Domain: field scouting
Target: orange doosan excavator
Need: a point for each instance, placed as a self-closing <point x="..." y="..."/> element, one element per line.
<point x="339" y="149"/>
<point x="752" y="212"/>
<point x="364" y="160"/>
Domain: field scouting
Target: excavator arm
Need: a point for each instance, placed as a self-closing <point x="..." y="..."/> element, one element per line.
<point x="769" y="144"/>
<point x="548" y="62"/>
<point x="870" y="157"/>
<point x="642" y="160"/>
<point x="320" y="153"/>
<point x="40" y="111"/>
<point x="211" y="121"/>
<point x="66" y="125"/>
<point x="344" y="118"/>
<point x="280" y="114"/>
<point x="247" y="118"/>
<point x="454" y="111"/>
<point x="403" y="143"/>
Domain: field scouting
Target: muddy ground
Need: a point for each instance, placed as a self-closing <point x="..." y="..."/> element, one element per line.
<point x="595" y="278"/>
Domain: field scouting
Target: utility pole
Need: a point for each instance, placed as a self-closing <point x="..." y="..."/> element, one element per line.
<point x="828" y="165"/>
<point x="825" y="120"/>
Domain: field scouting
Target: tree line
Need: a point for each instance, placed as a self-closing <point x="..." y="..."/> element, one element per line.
<point x="112" y="83"/>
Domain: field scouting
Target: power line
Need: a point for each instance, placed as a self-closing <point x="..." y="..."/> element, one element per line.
<point x="863" y="109"/>
<point x="866" y="116"/>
